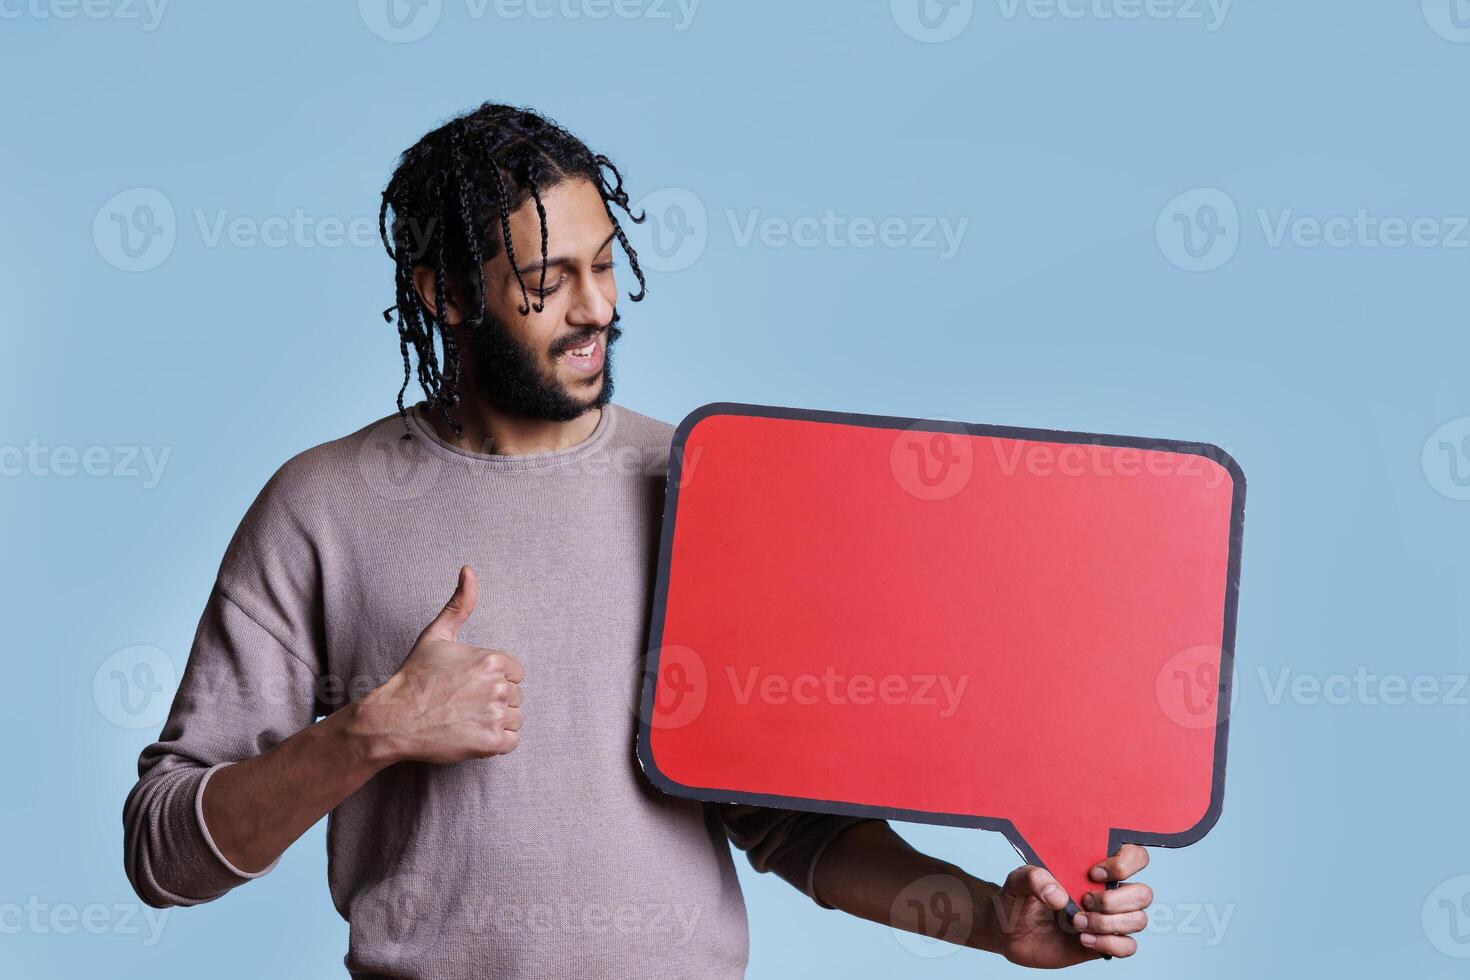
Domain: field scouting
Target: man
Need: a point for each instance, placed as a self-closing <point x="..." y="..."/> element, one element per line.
<point x="461" y="843"/>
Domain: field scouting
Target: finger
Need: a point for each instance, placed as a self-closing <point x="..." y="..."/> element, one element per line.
<point x="1100" y="924"/>
<point x="1110" y="945"/>
<point x="513" y="669"/>
<point x="1129" y="860"/>
<point x="1032" y="882"/>
<point x="506" y="692"/>
<point x="1130" y="897"/>
<point x="445" y="626"/>
<point x="513" y="720"/>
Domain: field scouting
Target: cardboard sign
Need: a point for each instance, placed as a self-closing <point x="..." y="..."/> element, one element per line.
<point x="1023" y="630"/>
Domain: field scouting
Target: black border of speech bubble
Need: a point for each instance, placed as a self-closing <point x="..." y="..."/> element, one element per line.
<point x="1117" y="837"/>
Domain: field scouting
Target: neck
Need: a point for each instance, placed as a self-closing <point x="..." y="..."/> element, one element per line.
<point x="486" y="429"/>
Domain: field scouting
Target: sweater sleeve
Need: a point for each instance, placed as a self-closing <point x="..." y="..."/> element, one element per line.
<point x="250" y="682"/>
<point x="241" y="693"/>
<point x="788" y="842"/>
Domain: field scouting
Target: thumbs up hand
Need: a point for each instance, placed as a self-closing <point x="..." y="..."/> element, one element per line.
<point x="449" y="701"/>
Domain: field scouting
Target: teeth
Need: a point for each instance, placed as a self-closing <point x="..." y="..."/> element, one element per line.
<point x="583" y="351"/>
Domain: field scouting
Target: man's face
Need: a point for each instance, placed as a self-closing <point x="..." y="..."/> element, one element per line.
<point x="553" y="364"/>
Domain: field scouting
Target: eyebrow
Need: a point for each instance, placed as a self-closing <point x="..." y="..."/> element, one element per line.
<point x="561" y="259"/>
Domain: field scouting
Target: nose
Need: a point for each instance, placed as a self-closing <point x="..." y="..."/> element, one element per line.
<point x="592" y="304"/>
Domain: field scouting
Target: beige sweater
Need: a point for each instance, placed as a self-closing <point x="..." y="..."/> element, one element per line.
<point x="557" y="860"/>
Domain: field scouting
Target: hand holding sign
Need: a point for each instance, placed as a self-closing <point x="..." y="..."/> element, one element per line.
<point x="825" y="579"/>
<point x="1028" y="903"/>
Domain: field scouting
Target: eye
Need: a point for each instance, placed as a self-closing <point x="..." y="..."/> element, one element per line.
<point x="604" y="266"/>
<point x="543" y="293"/>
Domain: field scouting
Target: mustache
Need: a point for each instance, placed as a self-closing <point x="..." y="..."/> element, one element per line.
<point x="566" y="343"/>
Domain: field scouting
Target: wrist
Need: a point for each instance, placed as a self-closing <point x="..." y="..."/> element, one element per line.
<point x="987" y="932"/>
<point x="368" y="736"/>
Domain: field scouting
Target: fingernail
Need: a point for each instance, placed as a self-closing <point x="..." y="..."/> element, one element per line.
<point x="1099" y="873"/>
<point x="1051" y="893"/>
<point x="1088" y="939"/>
<point x="1089" y="901"/>
<point x="1080" y="921"/>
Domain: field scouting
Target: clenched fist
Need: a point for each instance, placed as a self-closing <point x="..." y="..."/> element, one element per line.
<point x="449" y="701"/>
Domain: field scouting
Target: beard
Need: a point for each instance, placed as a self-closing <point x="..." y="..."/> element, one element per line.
<point x="512" y="376"/>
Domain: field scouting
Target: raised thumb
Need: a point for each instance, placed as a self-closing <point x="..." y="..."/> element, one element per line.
<point x="446" y="625"/>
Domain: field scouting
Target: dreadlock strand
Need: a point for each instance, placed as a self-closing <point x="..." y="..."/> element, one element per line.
<point x="510" y="250"/>
<point x="629" y="251"/>
<point x="541" y="215"/>
<point x="442" y="398"/>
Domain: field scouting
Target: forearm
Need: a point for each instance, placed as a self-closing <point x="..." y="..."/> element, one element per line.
<point x="873" y="873"/>
<point x="256" y="808"/>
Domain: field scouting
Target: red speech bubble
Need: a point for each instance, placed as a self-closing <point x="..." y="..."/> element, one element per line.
<point x="1017" y="629"/>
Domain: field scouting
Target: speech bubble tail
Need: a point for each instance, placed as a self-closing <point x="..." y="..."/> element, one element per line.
<point x="1068" y="853"/>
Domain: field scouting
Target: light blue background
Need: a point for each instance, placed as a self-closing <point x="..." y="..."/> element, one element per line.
<point x="1325" y="370"/>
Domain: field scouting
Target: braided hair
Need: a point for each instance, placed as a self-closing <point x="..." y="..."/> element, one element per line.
<point x="452" y="195"/>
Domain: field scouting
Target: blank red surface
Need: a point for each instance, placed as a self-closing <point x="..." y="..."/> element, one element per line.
<point x="1050" y="591"/>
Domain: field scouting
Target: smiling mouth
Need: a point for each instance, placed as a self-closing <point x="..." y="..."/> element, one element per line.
<point x="587" y="357"/>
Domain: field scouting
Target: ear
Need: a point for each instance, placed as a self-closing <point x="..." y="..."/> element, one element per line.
<point x="423" y="282"/>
